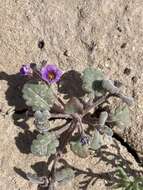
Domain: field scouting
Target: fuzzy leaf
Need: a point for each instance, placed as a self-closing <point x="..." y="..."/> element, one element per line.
<point x="127" y="99"/>
<point x="33" y="178"/>
<point x="97" y="141"/>
<point x="121" y="116"/>
<point x="109" y="86"/>
<point x="92" y="81"/>
<point x="79" y="149"/>
<point x="41" y="120"/>
<point x="64" y="175"/>
<point x="102" y="118"/>
<point x="108" y="131"/>
<point x="73" y="106"/>
<point x="107" y="139"/>
<point x="45" y="145"/>
<point x="38" y="96"/>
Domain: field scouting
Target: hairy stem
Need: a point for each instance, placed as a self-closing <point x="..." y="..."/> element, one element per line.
<point x="53" y="170"/>
<point x="97" y="103"/>
<point x="80" y="126"/>
<point x="58" y="154"/>
<point x="68" y="135"/>
<point x="62" y="130"/>
<point x="60" y="116"/>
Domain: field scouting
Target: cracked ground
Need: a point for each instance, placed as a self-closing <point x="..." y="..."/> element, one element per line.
<point x="107" y="34"/>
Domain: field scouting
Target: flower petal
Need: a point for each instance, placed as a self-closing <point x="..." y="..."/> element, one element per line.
<point x="48" y="69"/>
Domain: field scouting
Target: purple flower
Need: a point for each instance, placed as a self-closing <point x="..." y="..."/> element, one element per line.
<point x="51" y="73"/>
<point x="84" y="140"/>
<point x="25" y="70"/>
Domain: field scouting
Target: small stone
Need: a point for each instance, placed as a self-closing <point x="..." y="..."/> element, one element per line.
<point x="127" y="71"/>
<point x="133" y="93"/>
<point x="41" y="44"/>
<point x="123" y="45"/>
<point x="134" y="79"/>
<point x="119" y="29"/>
<point x="66" y="53"/>
<point x="126" y="7"/>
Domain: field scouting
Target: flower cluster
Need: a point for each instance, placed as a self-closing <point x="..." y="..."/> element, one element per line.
<point x="49" y="73"/>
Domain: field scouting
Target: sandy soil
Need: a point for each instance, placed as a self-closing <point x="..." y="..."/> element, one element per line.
<point x="107" y="34"/>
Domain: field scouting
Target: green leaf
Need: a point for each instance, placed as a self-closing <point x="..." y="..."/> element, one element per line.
<point x="128" y="182"/>
<point x="102" y="118"/>
<point x="121" y="184"/>
<point x="38" y="96"/>
<point x="41" y="120"/>
<point x="74" y="106"/>
<point x="33" y="178"/>
<point x="135" y="186"/>
<point x="64" y="175"/>
<point x="92" y="81"/>
<point x="97" y="141"/>
<point x="121" y="173"/>
<point x="79" y="149"/>
<point x="121" y="116"/>
<point x="127" y="99"/>
<point x="108" y="131"/>
<point x="110" y="87"/>
<point x="45" y="145"/>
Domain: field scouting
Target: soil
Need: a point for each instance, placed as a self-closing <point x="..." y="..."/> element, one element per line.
<point x="107" y="34"/>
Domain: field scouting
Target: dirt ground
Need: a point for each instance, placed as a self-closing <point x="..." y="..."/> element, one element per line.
<point x="102" y="33"/>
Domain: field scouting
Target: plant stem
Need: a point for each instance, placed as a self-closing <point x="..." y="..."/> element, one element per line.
<point x="62" y="130"/>
<point x="57" y="155"/>
<point x="97" y="103"/>
<point x="68" y="134"/>
<point x="61" y="116"/>
<point x="80" y="126"/>
<point x="53" y="170"/>
<point x="54" y="165"/>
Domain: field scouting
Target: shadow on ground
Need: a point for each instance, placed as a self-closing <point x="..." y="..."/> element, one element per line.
<point x="14" y="96"/>
<point x="71" y="84"/>
<point x="24" y="140"/>
<point x="110" y="178"/>
<point x="89" y="177"/>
